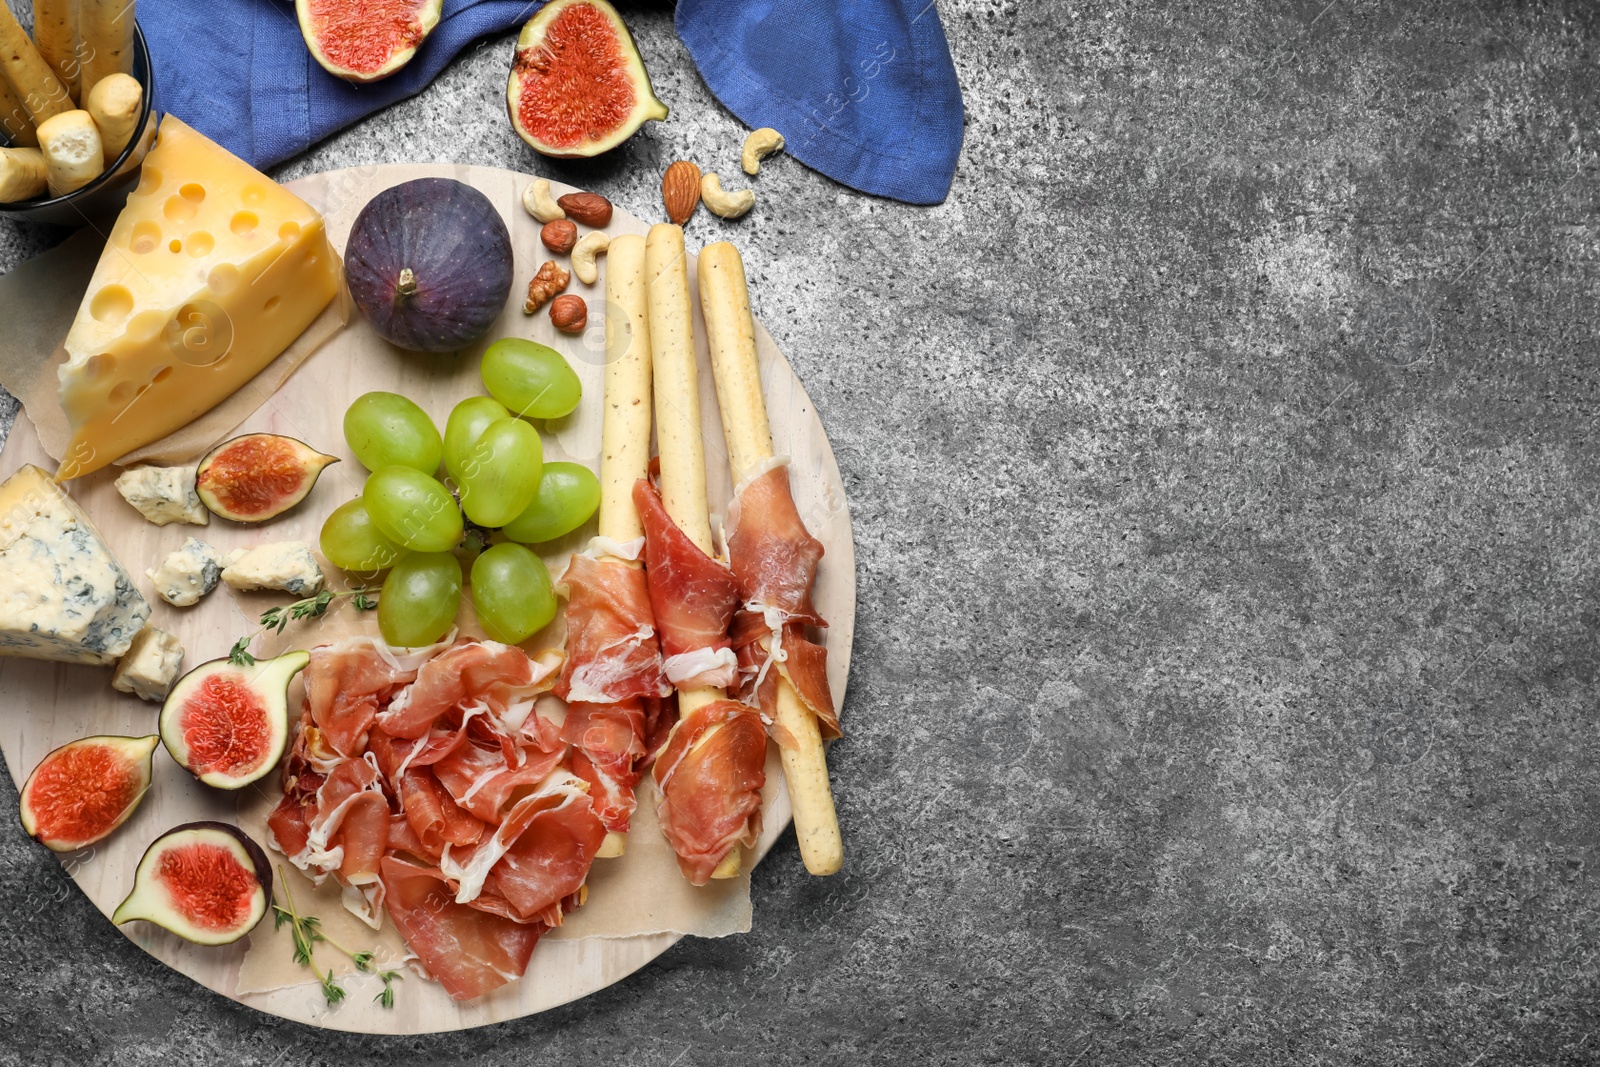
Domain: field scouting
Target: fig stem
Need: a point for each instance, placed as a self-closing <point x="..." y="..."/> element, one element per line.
<point x="406" y="285"/>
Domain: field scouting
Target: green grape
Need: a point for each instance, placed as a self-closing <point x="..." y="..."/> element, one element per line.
<point x="500" y="473"/>
<point x="384" y="429"/>
<point x="512" y="594"/>
<point x="530" y="379"/>
<point x="420" y="599"/>
<point x="352" y="541"/>
<point x="468" y="420"/>
<point x="413" y="510"/>
<point x="568" y="495"/>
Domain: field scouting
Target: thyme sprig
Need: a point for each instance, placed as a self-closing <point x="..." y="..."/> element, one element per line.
<point x="274" y="620"/>
<point x="306" y="932"/>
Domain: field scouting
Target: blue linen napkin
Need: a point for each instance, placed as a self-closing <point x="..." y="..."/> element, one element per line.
<point x="862" y="90"/>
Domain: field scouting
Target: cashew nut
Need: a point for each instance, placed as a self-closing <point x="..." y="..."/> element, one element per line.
<point x="728" y="205"/>
<point x="540" y="204"/>
<point x="590" y="245"/>
<point x="758" y="146"/>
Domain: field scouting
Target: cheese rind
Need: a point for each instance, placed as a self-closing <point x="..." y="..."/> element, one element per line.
<point x="211" y="271"/>
<point x="150" y="665"/>
<point x="63" y="595"/>
<point x="187" y="574"/>
<point x="285" y="565"/>
<point x="164" y="494"/>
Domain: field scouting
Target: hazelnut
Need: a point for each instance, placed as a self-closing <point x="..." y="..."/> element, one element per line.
<point x="559" y="236"/>
<point x="569" y="314"/>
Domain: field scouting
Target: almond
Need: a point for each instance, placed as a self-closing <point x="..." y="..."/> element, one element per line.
<point x="559" y="236"/>
<point x="591" y="209"/>
<point x="568" y="313"/>
<point x="680" y="190"/>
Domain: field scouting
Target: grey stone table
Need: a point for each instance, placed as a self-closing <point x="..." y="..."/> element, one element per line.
<point x="1224" y="469"/>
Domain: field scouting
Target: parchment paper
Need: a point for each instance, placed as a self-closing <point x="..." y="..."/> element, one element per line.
<point x="37" y="303"/>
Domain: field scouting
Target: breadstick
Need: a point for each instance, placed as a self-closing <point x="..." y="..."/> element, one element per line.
<point x="32" y="81"/>
<point x="14" y="119"/>
<point x="106" y="27"/>
<point x="114" y="105"/>
<point x="678" y="441"/>
<point x="72" y="153"/>
<point x="625" y="430"/>
<point x="22" y="174"/>
<point x="55" y="32"/>
<point x="731" y="336"/>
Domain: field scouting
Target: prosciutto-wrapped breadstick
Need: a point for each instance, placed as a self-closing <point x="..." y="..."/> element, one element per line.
<point x="774" y="559"/>
<point x="714" y="765"/>
<point x="612" y="680"/>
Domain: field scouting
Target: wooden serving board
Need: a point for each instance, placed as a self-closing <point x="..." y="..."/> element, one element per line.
<point x="47" y="705"/>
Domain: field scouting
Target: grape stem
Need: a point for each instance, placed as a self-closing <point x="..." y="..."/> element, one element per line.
<point x="275" y="619"/>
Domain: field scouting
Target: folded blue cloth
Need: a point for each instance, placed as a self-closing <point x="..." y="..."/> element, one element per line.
<point x="862" y="90"/>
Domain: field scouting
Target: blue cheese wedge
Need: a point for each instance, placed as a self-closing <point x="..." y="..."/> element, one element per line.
<point x="164" y="494"/>
<point x="63" y="595"/>
<point x="285" y="565"/>
<point x="187" y="574"/>
<point x="150" y="666"/>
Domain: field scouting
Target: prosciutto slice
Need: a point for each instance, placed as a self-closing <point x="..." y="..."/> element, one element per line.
<point x="452" y="812"/>
<point x="693" y="598"/>
<point x="469" y="951"/>
<point x="774" y="560"/>
<point x="710" y="777"/>
<point x="612" y="653"/>
<point x="345" y="686"/>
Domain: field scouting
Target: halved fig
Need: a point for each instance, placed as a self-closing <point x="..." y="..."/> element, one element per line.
<point x="258" y="476"/>
<point x="578" y="86"/>
<point x="85" y="789"/>
<point x="368" y="41"/>
<point x="207" y="882"/>
<point x="228" y="724"/>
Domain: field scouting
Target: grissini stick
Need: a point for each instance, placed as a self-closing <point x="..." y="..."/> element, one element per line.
<point x="15" y="122"/>
<point x="678" y="442"/>
<point x="625" y="428"/>
<point x="730" y="334"/>
<point x="114" y="105"/>
<point x="22" y="174"/>
<point x="106" y="27"/>
<point x="32" y="81"/>
<point x="72" y="154"/>
<point x="55" y="32"/>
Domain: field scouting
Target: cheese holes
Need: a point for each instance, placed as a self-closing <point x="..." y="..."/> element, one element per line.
<point x="288" y="231"/>
<point x="146" y="237"/>
<point x="112" y="304"/>
<point x="180" y="208"/>
<point x="176" y="245"/>
<point x="200" y="243"/>
<point x="194" y="193"/>
<point x="162" y="375"/>
<point x="244" y="223"/>
<point x="224" y="278"/>
<point x="99" y="366"/>
<point x="271" y="304"/>
<point x="149" y="181"/>
<point x="122" y="392"/>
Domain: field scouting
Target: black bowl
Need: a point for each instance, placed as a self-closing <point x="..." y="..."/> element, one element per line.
<point x="103" y="197"/>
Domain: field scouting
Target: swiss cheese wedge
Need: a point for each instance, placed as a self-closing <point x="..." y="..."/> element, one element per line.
<point x="212" y="270"/>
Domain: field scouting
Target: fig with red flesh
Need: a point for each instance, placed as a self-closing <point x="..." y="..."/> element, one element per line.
<point x="85" y="789"/>
<point x="258" y="476"/>
<point x="429" y="264"/>
<point x="227" y="723"/>
<point x="366" y="41"/>
<point x="207" y="882"/>
<point x="578" y="86"/>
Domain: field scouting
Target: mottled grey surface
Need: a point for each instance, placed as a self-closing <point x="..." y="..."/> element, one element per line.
<point x="1224" y="472"/>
